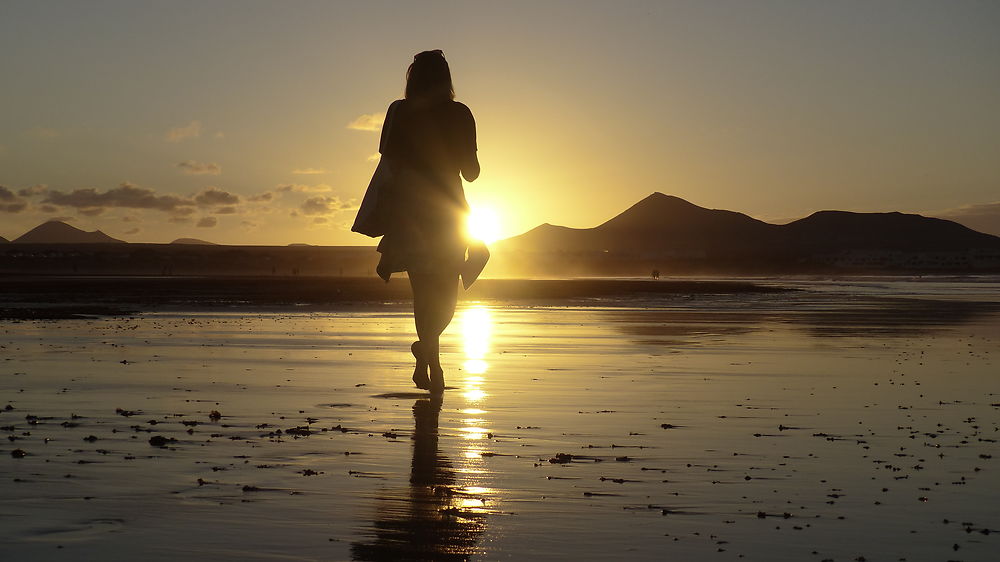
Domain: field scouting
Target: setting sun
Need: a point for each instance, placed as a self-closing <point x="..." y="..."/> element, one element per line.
<point x="484" y="224"/>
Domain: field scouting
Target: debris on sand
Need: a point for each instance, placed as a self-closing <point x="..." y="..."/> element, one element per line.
<point x="561" y="458"/>
<point x="18" y="453"/>
<point x="161" y="441"/>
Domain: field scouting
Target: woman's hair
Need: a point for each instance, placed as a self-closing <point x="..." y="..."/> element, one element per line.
<point x="429" y="77"/>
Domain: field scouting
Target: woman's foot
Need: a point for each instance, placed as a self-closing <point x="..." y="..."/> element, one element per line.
<point x="436" y="380"/>
<point x="420" y="377"/>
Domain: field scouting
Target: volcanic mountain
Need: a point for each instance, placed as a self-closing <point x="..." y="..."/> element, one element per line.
<point x="56" y="232"/>
<point x="664" y="225"/>
<point x="194" y="241"/>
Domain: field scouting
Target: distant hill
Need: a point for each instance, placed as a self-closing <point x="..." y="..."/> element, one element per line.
<point x="829" y="231"/>
<point x="56" y="232"/>
<point x="193" y="241"/>
<point x="663" y="229"/>
<point x="659" y="224"/>
<point x="3" y="240"/>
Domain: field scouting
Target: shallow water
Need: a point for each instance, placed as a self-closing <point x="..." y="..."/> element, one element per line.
<point x="833" y="423"/>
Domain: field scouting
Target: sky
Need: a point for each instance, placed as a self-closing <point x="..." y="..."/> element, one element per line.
<point x="247" y="122"/>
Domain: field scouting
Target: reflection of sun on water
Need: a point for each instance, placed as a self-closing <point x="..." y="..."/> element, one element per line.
<point x="477" y="324"/>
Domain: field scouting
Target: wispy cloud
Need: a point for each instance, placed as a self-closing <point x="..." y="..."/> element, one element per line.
<point x="266" y="196"/>
<point x="11" y="202"/>
<point x="43" y="133"/>
<point x="126" y="195"/>
<point x="207" y="222"/>
<point x="213" y="196"/>
<point x="177" y="134"/>
<point x="324" y="206"/>
<point x="984" y="217"/>
<point x="374" y="157"/>
<point x="195" y="168"/>
<point x="367" y="122"/>
<point x="225" y="211"/>
<point x="33" y="190"/>
<point x="310" y="171"/>
<point x="302" y="188"/>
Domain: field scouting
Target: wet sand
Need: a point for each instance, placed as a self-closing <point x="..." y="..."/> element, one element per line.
<point x="830" y="423"/>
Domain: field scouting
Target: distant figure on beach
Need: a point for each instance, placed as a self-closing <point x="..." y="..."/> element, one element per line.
<point x="428" y="139"/>
<point x="655" y="274"/>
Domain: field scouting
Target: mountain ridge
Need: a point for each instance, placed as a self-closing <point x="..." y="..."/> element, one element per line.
<point x="58" y="232"/>
<point x="668" y="226"/>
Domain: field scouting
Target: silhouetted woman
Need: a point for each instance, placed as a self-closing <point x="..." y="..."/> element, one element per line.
<point x="428" y="140"/>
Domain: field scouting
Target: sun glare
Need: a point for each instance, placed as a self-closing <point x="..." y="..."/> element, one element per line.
<point x="484" y="224"/>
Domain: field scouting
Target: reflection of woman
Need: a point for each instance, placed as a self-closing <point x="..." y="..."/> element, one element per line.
<point x="428" y="140"/>
<point x="419" y="523"/>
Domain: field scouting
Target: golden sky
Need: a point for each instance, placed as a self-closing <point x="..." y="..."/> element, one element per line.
<point x="257" y="122"/>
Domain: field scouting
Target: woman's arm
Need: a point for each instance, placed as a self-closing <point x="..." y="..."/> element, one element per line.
<point x="469" y="162"/>
<point x="470" y="166"/>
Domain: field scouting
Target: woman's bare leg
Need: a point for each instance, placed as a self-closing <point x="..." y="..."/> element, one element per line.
<point x="419" y="348"/>
<point x="434" y="299"/>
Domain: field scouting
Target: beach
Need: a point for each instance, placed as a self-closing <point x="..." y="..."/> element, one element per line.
<point x="808" y="420"/>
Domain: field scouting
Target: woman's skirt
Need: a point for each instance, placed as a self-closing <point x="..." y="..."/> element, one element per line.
<point x="426" y="232"/>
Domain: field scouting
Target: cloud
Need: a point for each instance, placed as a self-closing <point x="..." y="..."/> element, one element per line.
<point x="48" y="208"/>
<point x="135" y="230"/>
<point x="10" y="202"/>
<point x="13" y="207"/>
<point x="207" y="222"/>
<point x="320" y="220"/>
<point x="984" y="217"/>
<point x="33" y="190"/>
<point x="225" y="211"/>
<point x="126" y="195"/>
<point x="266" y="196"/>
<point x="92" y="211"/>
<point x="183" y="211"/>
<point x="367" y="122"/>
<point x="310" y="171"/>
<point x="374" y="157"/>
<point x="324" y="206"/>
<point x="302" y="188"/>
<point x="43" y="133"/>
<point x="195" y="168"/>
<point x="179" y="220"/>
<point x="177" y="134"/>
<point x="213" y="196"/>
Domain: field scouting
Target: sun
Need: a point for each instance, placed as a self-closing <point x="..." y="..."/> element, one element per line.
<point x="484" y="224"/>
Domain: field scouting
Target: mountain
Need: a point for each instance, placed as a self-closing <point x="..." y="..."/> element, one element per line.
<point x="659" y="224"/>
<point x="194" y="241"/>
<point x="829" y="231"/>
<point x="56" y="232"/>
<point x="662" y="228"/>
<point x="3" y="240"/>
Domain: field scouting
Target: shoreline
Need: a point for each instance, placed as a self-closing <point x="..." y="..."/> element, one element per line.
<point x="53" y="298"/>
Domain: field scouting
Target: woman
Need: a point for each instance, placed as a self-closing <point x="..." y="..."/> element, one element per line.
<point x="428" y="140"/>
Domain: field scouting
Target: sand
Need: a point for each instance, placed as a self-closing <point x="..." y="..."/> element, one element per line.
<point x="838" y="422"/>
